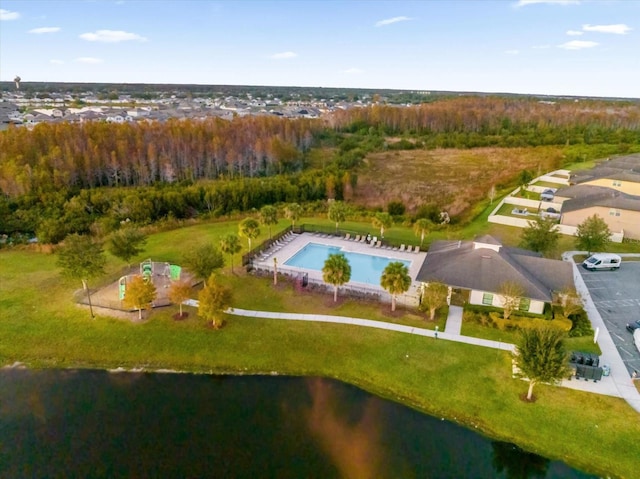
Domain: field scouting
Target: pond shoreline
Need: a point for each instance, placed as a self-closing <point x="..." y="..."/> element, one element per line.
<point x="371" y="388"/>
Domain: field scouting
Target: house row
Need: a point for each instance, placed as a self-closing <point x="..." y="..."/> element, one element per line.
<point x="610" y="190"/>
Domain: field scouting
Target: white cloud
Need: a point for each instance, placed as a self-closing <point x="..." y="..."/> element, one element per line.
<point x="512" y="52"/>
<point x="56" y="62"/>
<point x="8" y="14"/>
<point x="44" y="30"/>
<point x="574" y="33"/>
<point x="540" y="47"/>
<point x="283" y="55"/>
<point x="111" y="36"/>
<point x="89" y="60"/>
<point x="617" y="29"/>
<point x="524" y="3"/>
<point x="578" y="45"/>
<point x="354" y="71"/>
<point x="389" y="21"/>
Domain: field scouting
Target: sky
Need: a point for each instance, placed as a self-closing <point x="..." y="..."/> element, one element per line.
<point x="552" y="47"/>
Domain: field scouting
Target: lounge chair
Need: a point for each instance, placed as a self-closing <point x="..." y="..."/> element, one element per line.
<point x="378" y="244"/>
<point x="363" y="239"/>
<point x="416" y="249"/>
<point x="347" y="236"/>
<point x="402" y="247"/>
<point x="357" y="238"/>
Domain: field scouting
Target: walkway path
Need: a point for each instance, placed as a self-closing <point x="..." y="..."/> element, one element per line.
<point x="454" y="320"/>
<point x="373" y="324"/>
<point x="612" y="385"/>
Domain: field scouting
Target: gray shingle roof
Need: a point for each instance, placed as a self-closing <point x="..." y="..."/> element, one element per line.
<point x="623" y="168"/>
<point x="468" y="265"/>
<point x="584" y="196"/>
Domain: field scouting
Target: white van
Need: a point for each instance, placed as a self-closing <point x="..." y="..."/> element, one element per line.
<point x="602" y="261"/>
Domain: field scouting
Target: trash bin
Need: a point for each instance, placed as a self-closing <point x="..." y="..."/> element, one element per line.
<point x="597" y="374"/>
<point x="606" y="370"/>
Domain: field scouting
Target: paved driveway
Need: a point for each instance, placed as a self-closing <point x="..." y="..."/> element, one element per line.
<point x="616" y="295"/>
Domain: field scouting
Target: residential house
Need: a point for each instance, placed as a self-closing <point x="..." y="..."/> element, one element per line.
<point x="620" y="211"/>
<point x="477" y="270"/>
<point x="621" y="174"/>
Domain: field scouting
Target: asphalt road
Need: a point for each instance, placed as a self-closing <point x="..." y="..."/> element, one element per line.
<point x="616" y="295"/>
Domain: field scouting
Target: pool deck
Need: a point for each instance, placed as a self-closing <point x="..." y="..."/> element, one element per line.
<point x="295" y="242"/>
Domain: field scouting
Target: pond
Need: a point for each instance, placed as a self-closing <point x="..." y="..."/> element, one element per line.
<point x="68" y="423"/>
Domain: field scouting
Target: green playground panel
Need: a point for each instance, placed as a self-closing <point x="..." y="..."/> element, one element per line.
<point x="174" y="271"/>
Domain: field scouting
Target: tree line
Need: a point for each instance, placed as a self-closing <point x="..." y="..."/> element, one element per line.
<point x="56" y="156"/>
<point x="471" y="122"/>
<point x="63" y="178"/>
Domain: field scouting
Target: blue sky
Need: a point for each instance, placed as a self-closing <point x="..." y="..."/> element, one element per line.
<point x="559" y="47"/>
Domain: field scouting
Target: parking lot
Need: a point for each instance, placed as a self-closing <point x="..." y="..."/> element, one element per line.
<point x="616" y="295"/>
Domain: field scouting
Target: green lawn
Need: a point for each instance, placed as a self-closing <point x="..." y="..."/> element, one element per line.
<point x="40" y="326"/>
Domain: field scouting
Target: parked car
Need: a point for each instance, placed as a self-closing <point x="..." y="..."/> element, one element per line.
<point x="631" y="327"/>
<point x="602" y="261"/>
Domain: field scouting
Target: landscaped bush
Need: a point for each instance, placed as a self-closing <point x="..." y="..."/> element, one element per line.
<point x="581" y="326"/>
<point x="493" y="317"/>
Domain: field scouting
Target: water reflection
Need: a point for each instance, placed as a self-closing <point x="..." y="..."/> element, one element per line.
<point x="516" y="463"/>
<point x="354" y="444"/>
<point x="95" y="424"/>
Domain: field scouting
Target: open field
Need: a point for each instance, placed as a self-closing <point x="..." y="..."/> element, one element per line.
<point x="41" y="327"/>
<point x="451" y="178"/>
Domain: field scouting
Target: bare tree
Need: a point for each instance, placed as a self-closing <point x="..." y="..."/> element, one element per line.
<point x="511" y="293"/>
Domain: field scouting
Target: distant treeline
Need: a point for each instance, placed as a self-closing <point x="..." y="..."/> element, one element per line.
<point x="93" y="154"/>
<point x="63" y="178"/>
<point x="495" y="121"/>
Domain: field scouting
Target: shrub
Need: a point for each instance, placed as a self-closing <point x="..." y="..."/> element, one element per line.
<point x="492" y="316"/>
<point x="581" y="326"/>
<point x="396" y="208"/>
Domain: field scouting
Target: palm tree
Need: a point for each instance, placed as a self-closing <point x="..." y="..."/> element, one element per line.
<point x="421" y="227"/>
<point x="541" y="356"/>
<point x="396" y="280"/>
<point x="250" y="229"/>
<point x="337" y="213"/>
<point x="293" y="212"/>
<point x="382" y="221"/>
<point x="336" y="271"/>
<point x="269" y="216"/>
<point x="230" y="245"/>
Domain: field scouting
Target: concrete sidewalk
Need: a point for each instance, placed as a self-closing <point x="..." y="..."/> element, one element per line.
<point x="454" y="320"/>
<point x="616" y="385"/>
<point x="373" y="324"/>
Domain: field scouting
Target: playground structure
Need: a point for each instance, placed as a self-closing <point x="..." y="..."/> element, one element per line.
<point x="161" y="274"/>
<point x="169" y="273"/>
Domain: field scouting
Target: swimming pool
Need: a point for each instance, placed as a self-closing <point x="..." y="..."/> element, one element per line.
<point x="365" y="268"/>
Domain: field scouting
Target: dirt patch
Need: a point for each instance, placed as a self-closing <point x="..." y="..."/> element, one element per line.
<point x="523" y="398"/>
<point x="180" y="317"/>
<point x="386" y="311"/>
<point x="330" y="303"/>
<point x="219" y="325"/>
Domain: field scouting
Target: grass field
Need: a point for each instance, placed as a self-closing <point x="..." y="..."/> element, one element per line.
<point x="41" y="327"/>
<point x="453" y="179"/>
